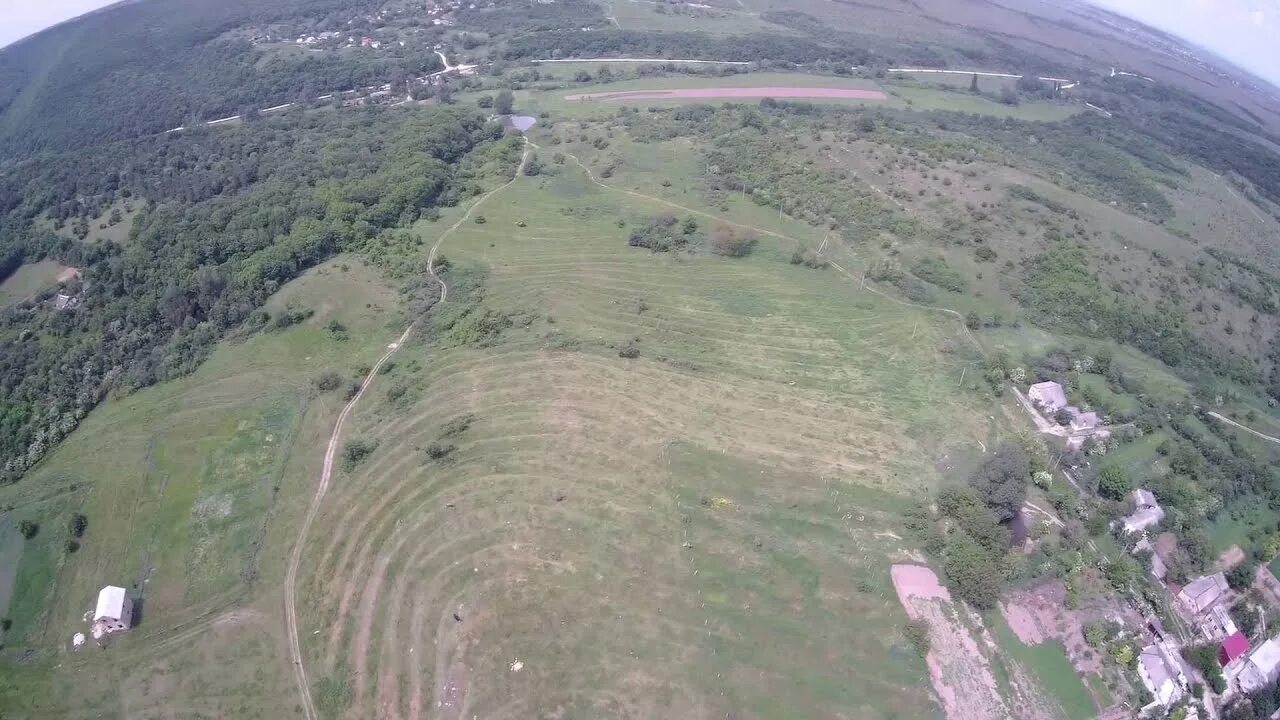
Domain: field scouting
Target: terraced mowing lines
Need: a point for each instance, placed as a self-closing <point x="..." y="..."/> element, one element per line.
<point x="295" y="559"/>
<point x="552" y="535"/>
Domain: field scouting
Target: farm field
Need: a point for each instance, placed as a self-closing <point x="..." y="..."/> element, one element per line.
<point x="920" y="98"/>
<point x="534" y="503"/>
<point x="555" y="99"/>
<point x="190" y="489"/>
<point x="29" y="280"/>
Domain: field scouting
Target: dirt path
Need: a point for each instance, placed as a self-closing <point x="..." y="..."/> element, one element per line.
<point x="1229" y="421"/>
<point x="295" y="559"/>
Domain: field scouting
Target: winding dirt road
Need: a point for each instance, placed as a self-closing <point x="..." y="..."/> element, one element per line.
<point x="1229" y="421"/>
<point x="326" y="473"/>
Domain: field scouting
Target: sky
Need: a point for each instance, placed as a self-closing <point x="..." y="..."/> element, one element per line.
<point x="1246" y="32"/>
<point x="1242" y="31"/>
<point x="20" y="18"/>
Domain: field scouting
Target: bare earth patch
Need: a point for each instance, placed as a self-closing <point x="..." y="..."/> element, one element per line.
<point x="734" y="92"/>
<point x="958" y="668"/>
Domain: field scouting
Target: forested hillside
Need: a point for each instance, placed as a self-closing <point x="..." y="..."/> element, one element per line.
<point x="147" y="67"/>
<point x="230" y="214"/>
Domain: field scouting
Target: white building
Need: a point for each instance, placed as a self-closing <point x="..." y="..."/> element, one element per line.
<point x="1163" y="672"/>
<point x="1261" y="668"/>
<point x="1146" y="511"/>
<point x="114" y="612"/>
<point x="1048" y="395"/>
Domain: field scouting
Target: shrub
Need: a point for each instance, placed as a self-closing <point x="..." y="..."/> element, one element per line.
<point x="71" y="545"/>
<point x="78" y="524"/>
<point x="809" y="259"/>
<point x="480" y="220"/>
<point x="663" y="233"/>
<point x="729" y="241"/>
<point x="439" y="451"/>
<point x="629" y="350"/>
<point x="457" y="426"/>
<point x="28" y="529"/>
<point x="328" y="381"/>
<point x="917" y="634"/>
<point x="354" y="453"/>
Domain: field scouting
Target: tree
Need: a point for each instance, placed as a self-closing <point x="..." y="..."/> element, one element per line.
<point x="1002" y="480"/>
<point x="973" y="84"/>
<point x="485" y="101"/>
<point x="974" y="572"/>
<point x="28" y="529"/>
<point x="503" y="102"/>
<point x="1240" y="577"/>
<point x="1063" y="417"/>
<point x="1113" y="483"/>
<point x="972" y="321"/>
<point x="866" y="125"/>
<point x="78" y="524"/>
<point x="917" y="633"/>
<point x="731" y="242"/>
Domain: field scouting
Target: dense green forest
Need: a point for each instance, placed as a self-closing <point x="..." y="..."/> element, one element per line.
<point x="228" y="216"/>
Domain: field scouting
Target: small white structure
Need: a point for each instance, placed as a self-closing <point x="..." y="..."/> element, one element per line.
<point x="1048" y="395"/>
<point x="114" y="612"/>
<point x="1147" y="512"/>
<point x="1203" y="593"/>
<point x="1261" y="668"/>
<point x="1163" y="672"/>
<point x="1081" y="421"/>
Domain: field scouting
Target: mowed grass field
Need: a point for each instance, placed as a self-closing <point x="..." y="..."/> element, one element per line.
<point x="701" y="531"/>
<point x="553" y="100"/>
<point x="191" y="489"/>
<point x="29" y="280"/>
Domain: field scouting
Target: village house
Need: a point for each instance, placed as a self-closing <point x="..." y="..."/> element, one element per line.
<point x="1234" y="647"/>
<point x="1261" y="668"/>
<point x="1082" y="421"/>
<point x="113" y="613"/>
<point x="1048" y="396"/>
<point x="1163" y="673"/>
<point x="1201" y="594"/>
<point x="1146" y="512"/>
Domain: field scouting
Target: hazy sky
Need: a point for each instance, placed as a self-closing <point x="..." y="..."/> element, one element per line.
<point x="1243" y="31"/>
<point x="1246" y="32"/>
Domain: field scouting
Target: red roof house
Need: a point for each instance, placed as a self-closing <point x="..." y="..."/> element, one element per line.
<point x="1234" y="646"/>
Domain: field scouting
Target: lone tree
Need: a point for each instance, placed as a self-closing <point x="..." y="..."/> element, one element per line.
<point x="503" y="102"/>
<point x="1002" y="481"/>
<point x="1113" y="483"/>
<point x="973" y="84"/>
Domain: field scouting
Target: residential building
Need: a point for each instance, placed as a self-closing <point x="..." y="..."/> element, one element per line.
<point x="1048" y="395"/>
<point x="113" y="613"/>
<point x="1203" y="593"/>
<point x="1146" y="513"/>
<point x="1163" y="673"/>
<point x="1261" y="668"/>
<point x="1235" y="646"/>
